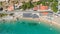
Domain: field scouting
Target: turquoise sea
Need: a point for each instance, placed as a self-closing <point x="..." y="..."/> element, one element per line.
<point x="26" y="27"/>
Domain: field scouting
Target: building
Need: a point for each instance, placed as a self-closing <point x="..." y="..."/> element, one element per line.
<point x="41" y="7"/>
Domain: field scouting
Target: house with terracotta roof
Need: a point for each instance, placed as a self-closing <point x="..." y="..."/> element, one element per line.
<point x="40" y="7"/>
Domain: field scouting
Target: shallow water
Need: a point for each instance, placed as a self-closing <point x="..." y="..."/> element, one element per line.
<point x="26" y="27"/>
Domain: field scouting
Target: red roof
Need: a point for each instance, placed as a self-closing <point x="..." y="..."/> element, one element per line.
<point x="43" y="7"/>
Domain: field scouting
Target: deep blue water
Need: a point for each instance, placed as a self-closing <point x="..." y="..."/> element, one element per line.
<point x="26" y="27"/>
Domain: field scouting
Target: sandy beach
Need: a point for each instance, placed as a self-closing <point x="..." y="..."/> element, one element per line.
<point x="41" y="19"/>
<point x="52" y="23"/>
<point x="55" y="24"/>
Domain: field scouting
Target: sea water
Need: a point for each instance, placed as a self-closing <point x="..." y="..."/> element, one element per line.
<point x="26" y="27"/>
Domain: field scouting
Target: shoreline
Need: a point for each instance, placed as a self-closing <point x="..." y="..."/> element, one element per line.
<point x="51" y="23"/>
<point x="41" y="19"/>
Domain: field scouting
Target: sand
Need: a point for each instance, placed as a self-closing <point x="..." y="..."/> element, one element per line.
<point x="41" y="19"/>
<point x="52" y="23"/>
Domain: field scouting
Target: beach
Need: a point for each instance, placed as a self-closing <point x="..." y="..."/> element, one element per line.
<point x="41" y="19"/>
<point x="22" y="25"/>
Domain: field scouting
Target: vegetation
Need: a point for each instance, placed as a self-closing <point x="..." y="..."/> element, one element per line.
<point x="31" y="5"/>
<point x="0" y="3"/>
<point x="24" y="6"/>
<point x="54" y="4"/>
<point x="38" y="3"/>
<point x="27" y="5"/>
<point x="3" y="14"/>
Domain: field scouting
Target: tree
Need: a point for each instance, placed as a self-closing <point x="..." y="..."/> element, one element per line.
<point x="27" y="5"/>
<point x="24" y="6"/>
<point x="54" y="6"/>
